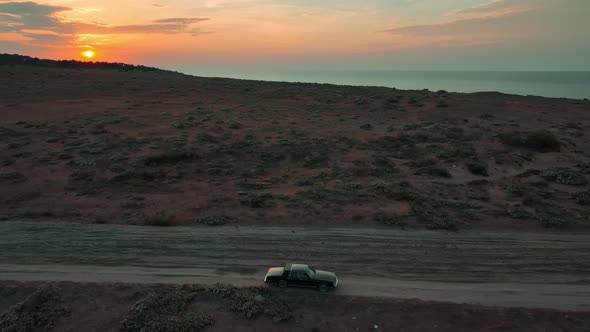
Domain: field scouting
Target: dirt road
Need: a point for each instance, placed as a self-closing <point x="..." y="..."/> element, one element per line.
<point x="506" y="269"/>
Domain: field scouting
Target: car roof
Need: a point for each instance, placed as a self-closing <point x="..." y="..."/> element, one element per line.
<point x="297" y="267"/>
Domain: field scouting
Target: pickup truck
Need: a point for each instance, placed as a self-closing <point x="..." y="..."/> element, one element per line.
<point x="301" y="275"/>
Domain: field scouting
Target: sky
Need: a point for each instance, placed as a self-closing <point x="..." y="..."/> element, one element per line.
<point x="339" y="34"/>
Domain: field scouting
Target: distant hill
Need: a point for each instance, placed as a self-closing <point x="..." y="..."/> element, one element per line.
<point x="23" y="60"/>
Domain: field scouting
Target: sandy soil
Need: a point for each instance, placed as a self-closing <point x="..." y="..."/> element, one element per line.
<point x="103" y="307"/>
<point x="500" y="269"/>
<point x="104" y="146"/>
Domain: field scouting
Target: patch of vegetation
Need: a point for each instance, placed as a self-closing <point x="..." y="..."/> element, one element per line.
<point x="529" y="173"/>
<point x="582" y="197"/>
<point x="531" y="199"/>
<point x="400" y="191"/>
<point x="214" y="220"/>
<point x="132" y="204"/>
<point x="420" y="163"/>
<point x="22" y="60"/>
<point x="104" y="119"/>
<point x="247" y="304"/>
<point x="434" y="218"/>
<point x="313" y="180"/>
<point x="14" y="177"/>
<point x="478" y="168"/>
<point x="234" y="125"/>
<point x="541" y="141"/>
<point x="192" y="119"/>
<point x="208" y="138"/>
<point x="190" y="322"/>
<point x="462" y="151"/>
<point x="254" y="185"/>
<point x="515" y="189"/>
<point x="553" y="220"/>
<point x="252" y="302"/>
<point x="437" y="171"/>
<point x="367" y="126"/>
<point x="388" y="219"/>
<point x="162" y="311"/>
<point x="517" y="213"/>
<point x="23" y="197"/>
<point x="564" y="175"/>
<point x="256" y="200"/>
<point x="159" y="219"/>
<point x="37" y="312"/>
<point x="279" y="311"/>
<point x="170" y="158"/>
<point x="220" y="167"/>
<point x="81" y="176"/>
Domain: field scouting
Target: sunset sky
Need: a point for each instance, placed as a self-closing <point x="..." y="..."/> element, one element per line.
<point x="397" y="34"/>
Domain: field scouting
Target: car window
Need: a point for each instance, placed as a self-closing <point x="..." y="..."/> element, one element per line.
<point x="299" y="275"/>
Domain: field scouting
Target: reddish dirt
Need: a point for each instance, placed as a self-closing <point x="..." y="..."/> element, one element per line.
<point x="101" y="125"/>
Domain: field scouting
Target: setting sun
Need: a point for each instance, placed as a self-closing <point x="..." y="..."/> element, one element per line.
<point x="89" y="54"/>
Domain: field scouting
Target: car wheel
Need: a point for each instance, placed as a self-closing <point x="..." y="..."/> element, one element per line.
<point x="323" y="288"/>
<point x="283" y="284"/>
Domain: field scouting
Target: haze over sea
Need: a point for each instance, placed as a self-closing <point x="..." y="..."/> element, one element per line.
<point x="567" y="84"/>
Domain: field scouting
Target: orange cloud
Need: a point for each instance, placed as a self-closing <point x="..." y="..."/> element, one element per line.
<point x="40" y="24"/>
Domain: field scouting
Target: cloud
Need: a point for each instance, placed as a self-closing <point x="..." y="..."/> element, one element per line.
<point x="498" y="8"/>
<point x="502" y="21"/>
<point x="30" y="8"/>
<point x="22" y="17"/>
<point x="182" y="20"/>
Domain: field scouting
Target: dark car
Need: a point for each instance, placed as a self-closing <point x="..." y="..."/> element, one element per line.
<point x="301" y="275"/>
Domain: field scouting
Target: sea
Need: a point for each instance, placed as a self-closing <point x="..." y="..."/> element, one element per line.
<point x="556" y="84"/>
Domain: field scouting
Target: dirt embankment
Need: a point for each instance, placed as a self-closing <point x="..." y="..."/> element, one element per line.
<point x="128" y="307"/>
<point x="160" y="148"/>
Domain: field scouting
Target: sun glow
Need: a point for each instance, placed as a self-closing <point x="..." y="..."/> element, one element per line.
<point x="89" y="54"/>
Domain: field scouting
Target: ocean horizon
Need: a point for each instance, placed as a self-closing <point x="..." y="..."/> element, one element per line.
<point x="554" y="84"/>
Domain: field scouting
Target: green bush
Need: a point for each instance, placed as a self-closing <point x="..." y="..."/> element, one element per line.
<point x="214" y="220"/>
<point x="437" y="171"/>
<point x="13" y="177"/>
<point x="257" y="201"/>
<point x="400" y="191"/>
<point x="434" y="218"/>
<point x="37" y="312"/>
<point x="478" y="168"/>
<point x="540" y="141"/>
<point x="517" y="213"/>
<point x="171" y="157"/>
<point x="582" y="197"/>
<point x="234" y="125"/>
<point x="160" y="219"/>
<point x="188" y="323"/>
<point x="553" y="221"/>
<point x="564" y="175"/>
<point x="386" y="219"/>
<point x="161" y="311"/>
<point x="254" y="185"/>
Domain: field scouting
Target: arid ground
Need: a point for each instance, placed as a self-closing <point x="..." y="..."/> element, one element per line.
<point x="357" y="180"/>
<point x="161" y="148"/>
<point x="189" y="308"/>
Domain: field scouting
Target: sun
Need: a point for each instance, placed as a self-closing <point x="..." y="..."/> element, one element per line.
<point x="89" y="54"/>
